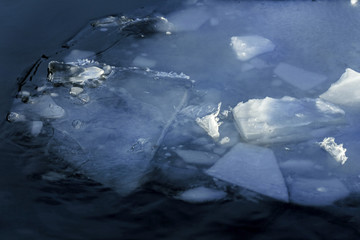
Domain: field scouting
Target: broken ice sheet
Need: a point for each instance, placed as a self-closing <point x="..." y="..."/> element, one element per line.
<point x="337" y="151"/>
<point x="251" y="167"/>
<point x="298" y="77"/>
<point x="247" y="47"/>
<point x="346" y="91"/>
<point x="286" y="119"/>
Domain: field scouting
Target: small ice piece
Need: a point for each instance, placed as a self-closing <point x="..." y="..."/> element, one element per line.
<point x="36" y="127"/>
<point x="45" y="107"/>
<point x="197" y="157"/>
<point x="210" y="123"/>
<point x="201" y="194"/>
<point x="298" y="77"/>
<point x="189" y="19"/>
<point x="251" y="167"/>
<point x="88" y="73"/>
<point x="15" y="117"/>
<point x="76" y="91"/>
<point x="144" y="62"/>
<point x="337" y="151"/>
<point x="224" y="140"/>
<point x="346" y="91"/>
<point x="77" y="54"/>
<point x="247" y="47"/>
<point x="272" y="120"/>
<point x="317" y="192"/>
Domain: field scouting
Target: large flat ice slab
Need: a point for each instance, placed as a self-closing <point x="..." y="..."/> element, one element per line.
<point x="298" y="77"/>
<point x="247" y="47"/>
<point x="346" y="91"/>
<point x="272" y="120"/>
<point x="251" y="167"/>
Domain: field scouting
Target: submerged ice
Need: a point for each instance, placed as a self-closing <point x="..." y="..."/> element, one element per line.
<point x="203" y="107"/>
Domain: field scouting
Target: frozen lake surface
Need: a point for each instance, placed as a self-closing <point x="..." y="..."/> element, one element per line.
<point x="241" y="117"/>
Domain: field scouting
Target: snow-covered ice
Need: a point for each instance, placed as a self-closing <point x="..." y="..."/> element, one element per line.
<point x="337" y="151"/>
<point x="210" y="123"/>
<point x="346" y="91"/>
<point x="287" y="119"/>
<point x="298" y="77"/>
<point x="201" y="195"/>
<point x="247" y="47"/>
<point x="251" y="167"/>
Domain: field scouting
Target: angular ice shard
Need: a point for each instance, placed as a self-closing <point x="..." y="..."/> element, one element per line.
<point x="317" y="192"/>
<point x="210" y="123"/>
<point x="247" y="47"/>
<point x="286" y="119"/>
<point x="197" y="157"/>
<point x="201" y="194"/>
<point x="298" y="77"/>
<point x="251" y="167"/>
<point x="346" y="91"/>
<point x="337" y="151"/>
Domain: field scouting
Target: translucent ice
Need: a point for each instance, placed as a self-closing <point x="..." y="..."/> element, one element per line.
<point x="251" y="167"/>
<point x="337" y="151"/>
<point x="298" y="77"/>
<point x="271" y="120"/>
<point x="35" y="127"/>
<point x="247" y="47"/>
<point x="317" y="192"/>
<point x="198" y="157"/>
<point x="201" y="194"/>
<point x="346" y="91"/>
<point x="189" y="19"/>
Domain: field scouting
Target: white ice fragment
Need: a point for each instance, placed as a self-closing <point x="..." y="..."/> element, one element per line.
<point x="337" y="151"/>
<point x="201" y="194"/>
<point x="76" y="54"/>
<point x="16" y="117"/>
<point x="247" y="47"/>
<point x="251" y="167"/>
<point x="272" y="120"/>
<point x="197" y="157"/>
<point x="298" y="77"/>
<point x="76" y="91"/>
<point x="224" y="140"/>
<point x="317" y="192"/>
<point x="346" y="91"/>
<point x="140" y="61"/>
<point x="35" y="128"/>
<point x="189" y="19"/>
<point x="210" y="123"/>
<point x="88" y="73"/>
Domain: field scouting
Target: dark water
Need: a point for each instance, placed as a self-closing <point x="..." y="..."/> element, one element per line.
<point x="77" y="207"/>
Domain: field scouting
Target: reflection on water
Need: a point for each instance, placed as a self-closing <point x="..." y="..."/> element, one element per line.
<point x="224" y="105"/>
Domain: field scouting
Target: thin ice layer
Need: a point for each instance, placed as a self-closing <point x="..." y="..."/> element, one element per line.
<point x="286" y="119"/>
<point x="251" y="167"/>
<point x="298" y="77"/>
<point x="201" y="194"/>
<point x="346" y="91"/>
<point x="247" y="47"/>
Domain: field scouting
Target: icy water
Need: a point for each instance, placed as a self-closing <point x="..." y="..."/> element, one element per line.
<point x="192" y="120"/>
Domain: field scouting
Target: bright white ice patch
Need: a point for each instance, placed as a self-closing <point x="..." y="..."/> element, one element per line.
<point x="201" y="194"/>
<point x="210" y="123"/>
<point x="272" y="120"/>
<point x="251" y="167"/>
<point x="298" y="77"/>
<point x="247" y="47"/>
<point x="337" y="151"/>
<point x="346" y="91"/>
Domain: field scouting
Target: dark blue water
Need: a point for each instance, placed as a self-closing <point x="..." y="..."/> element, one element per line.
<point x="76" y="207"/>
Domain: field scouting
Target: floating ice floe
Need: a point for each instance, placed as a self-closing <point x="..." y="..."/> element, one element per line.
<point x="197" y="157"/>
<point x="346" y="91"/>
<point x="247" y="47"/>
<point x="298" y="77"/>
<point x="201" y="194"/>
<point x="337" y="151"/>
<point x="286" y="119"/>
<point x="210" y="123"/>
<point x="317" y="192"/>
<point x="251" y="167"/>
